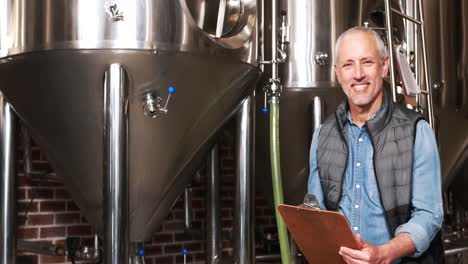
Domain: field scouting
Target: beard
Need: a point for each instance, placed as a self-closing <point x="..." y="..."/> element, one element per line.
<point x="362" y="100"/>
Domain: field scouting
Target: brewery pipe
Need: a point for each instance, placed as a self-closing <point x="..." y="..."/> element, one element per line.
<point x="244" y="241"/>
<point x="115" y="165"/>
<point x="8" y="182"/>
<point x="275" y="87"/>
<point x="213" y="209"/>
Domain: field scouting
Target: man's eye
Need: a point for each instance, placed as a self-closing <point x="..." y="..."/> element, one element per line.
<point x="346" y="65"/>
<point x="368" y="62"/>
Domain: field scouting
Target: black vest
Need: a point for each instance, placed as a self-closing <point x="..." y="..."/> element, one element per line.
<point x="392" y="134"/>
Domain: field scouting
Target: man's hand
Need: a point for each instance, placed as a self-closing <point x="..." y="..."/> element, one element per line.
<point x="368" y="253"/>
<point x="398" y="247"/>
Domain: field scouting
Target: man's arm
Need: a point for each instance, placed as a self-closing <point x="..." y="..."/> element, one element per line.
<point x="426" y="197"/>
<point x="314" y="187"/>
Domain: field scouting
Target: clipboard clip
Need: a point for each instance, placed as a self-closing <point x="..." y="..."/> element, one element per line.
<point x="310" y="201"/>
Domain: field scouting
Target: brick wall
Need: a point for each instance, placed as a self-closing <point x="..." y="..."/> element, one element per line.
<point x="46" y="213"/>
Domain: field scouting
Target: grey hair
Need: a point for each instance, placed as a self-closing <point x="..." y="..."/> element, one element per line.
<point x="378" y="41"/>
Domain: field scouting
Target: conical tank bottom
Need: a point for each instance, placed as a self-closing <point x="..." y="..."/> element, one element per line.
<point x="59" y="95"/>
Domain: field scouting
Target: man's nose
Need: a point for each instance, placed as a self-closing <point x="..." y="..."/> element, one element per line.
<point x="358" y="72"/>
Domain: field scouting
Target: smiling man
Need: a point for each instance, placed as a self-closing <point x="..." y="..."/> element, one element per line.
<point x="377" y="162"/>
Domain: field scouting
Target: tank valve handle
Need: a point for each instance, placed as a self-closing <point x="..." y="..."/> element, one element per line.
<point x="152" y="103"/>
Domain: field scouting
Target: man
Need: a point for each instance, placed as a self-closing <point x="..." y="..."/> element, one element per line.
<point x="377" y="163"/>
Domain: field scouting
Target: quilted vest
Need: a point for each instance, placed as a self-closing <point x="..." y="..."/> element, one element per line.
<point x="392" y="134"/>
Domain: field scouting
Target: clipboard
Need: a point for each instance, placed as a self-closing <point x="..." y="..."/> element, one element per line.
<point x="318" y="233"/>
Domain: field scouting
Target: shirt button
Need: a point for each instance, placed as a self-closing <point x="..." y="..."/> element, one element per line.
<point x="360" y="139"/>
<point x="356" y="206"/>
<point x="355" y="228"/>
<point x="358" y="164"/>
<point x="358" y="186"/>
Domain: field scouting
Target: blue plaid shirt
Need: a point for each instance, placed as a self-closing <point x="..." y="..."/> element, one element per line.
<point x="360" y="201"/>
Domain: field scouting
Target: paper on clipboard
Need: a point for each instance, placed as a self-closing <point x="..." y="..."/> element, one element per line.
<point x="318" y="233"/>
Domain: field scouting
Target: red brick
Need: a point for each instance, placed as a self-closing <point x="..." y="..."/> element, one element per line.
<point x="40" y="193"/>
<point x="22" y="180"/>
<point x="197" y="224"/>
<point x="79" y="230"/>
<point x="226" y="212"/>
<point x="27" y="207"/>
<point x="262" y="221"/>
<point x="189" y="258"/>
<point x="44" y="219"/>
<point x="27" y="233"/>
<point x="53" y="259"/>
<point x="200" y="214"/>
<point x="164" y="260"/>
<point x="20" y="194"/>
<point x="41" y="165"/>
<point x="268" y="211"/>
<point x="56" y="231"/>
<point x="163" y="238"/>
<point x="52" y="206"/>
<point x="191" y="247"/>
<point x="170" y="249"/>
<point x="153" y="250"/>
<point x="68" y="218"/>
<point x="181" y="237"/>
<point x="27" y="259"/>
<point x="173" y="226"/>
<point x="197" y="203"/>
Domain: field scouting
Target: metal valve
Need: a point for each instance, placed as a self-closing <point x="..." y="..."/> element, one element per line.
<point x="152" y="103"/>
<point x="321" y="58"/>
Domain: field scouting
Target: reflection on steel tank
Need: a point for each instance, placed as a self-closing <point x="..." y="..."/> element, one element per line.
<point x="310" y="90"/>
<point x="54" y="55"/>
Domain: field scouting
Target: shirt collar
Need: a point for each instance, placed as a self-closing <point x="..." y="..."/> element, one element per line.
<point x="350" y="117"/>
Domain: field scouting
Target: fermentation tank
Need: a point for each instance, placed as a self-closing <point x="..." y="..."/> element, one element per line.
<point x="310" y="91"/>
<point x="58" y="56"/>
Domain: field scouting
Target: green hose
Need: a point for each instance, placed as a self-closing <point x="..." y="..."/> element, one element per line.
<point x="277" y="183"/>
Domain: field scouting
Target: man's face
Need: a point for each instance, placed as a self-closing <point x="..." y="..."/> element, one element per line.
<point x="360" y="69"/>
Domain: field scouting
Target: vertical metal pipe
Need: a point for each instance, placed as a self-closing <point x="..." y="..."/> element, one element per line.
<point x="115" y="165"/>
<point x="388" y="17"/>
<point x="261" y="33"/>
<point x="8" y="182"/>
<point x="188" y="207"/>
<point x="294" y="252"/>
<point x="274" y="41"/>
<point x="427" y="81"/>
<point x="244" y="241"/>
<point x="26" y="150"/>
<point x="213" y="209"/>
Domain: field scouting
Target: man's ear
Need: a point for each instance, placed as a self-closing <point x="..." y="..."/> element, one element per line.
<point x="385" y="66"/>
<point x="337" y="74"/>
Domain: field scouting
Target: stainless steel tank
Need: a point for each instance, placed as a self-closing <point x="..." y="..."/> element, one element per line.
<point x="309" y="89"/>
<point x="452" y="103"/>
<point x="52" y="61"/>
